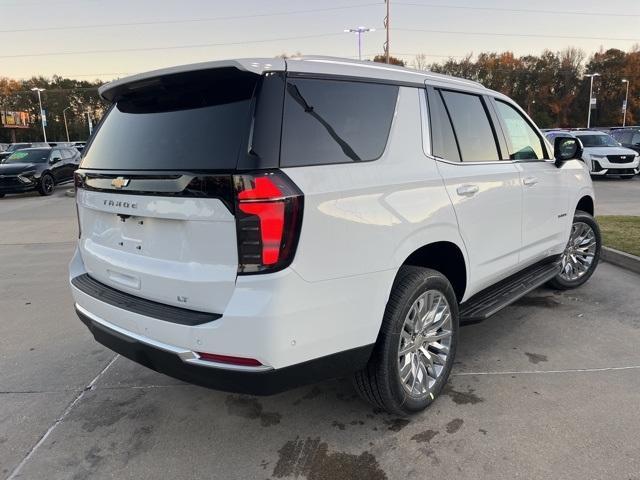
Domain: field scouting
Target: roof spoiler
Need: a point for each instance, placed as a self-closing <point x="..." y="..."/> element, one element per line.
<point x="113" y="90"/>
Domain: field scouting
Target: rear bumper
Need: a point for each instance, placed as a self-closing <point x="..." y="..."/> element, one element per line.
<point x="184" y="364"/>
<point x="300" y="331"/>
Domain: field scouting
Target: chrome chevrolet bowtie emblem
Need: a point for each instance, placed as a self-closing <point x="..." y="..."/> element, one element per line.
<point x="120" y="182"/>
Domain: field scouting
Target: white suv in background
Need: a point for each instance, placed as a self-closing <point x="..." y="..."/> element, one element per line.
<point x="604" y="155"/>
<point x="254" y="225"/>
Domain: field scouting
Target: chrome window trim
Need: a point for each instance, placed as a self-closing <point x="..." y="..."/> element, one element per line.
<point x="424" y="117"/>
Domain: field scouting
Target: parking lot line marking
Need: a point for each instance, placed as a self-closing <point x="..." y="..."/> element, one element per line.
<point x="66" y="412"/>
<point x="530" y="372"/>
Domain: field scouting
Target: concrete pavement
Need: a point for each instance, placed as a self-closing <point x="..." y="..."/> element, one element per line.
<point x="548" y="388"/>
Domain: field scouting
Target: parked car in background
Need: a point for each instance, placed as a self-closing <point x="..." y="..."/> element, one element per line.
<point x="628" y="137"/>
<point x="351" y="215"/>
<point x="3" y="146"/>
<point x="38" y="169"/>
<point x="604" y="155"/>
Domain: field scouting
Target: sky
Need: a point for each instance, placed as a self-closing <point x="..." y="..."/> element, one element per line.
<point x="106" y="39"/>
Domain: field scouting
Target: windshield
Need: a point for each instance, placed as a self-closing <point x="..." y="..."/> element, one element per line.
<point x="598" y="141"/>
<point x="28" y="156"/>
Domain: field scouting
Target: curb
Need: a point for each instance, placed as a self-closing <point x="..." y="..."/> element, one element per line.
<point x="621" y="259"/>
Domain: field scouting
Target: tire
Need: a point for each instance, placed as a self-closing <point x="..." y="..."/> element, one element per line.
<point x="380" y="382"/>
<point x="47" y="185"/>
<point x="564" y="280"/>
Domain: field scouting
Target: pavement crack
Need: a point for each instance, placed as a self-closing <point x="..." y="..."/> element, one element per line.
<point x="65" y="413"/>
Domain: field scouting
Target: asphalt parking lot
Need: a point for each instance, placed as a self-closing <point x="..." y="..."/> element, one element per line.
<point x="548" y="388"/>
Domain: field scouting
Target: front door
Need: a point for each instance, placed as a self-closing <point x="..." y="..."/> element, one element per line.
<point x="545" y="198"/>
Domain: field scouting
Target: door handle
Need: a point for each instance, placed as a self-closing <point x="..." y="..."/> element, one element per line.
<point x="467" y="190"/>
<point x="530" y="181"/>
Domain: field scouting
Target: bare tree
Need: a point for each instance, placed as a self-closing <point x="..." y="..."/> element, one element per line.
<point x="420" y="62"/>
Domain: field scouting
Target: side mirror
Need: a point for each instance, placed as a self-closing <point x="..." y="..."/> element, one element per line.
<point x="55" y="160"/>
<point x="566" y="148"/>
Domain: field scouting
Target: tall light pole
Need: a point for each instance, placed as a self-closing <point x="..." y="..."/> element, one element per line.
<point x="89" y="122"/>
<point x="591" y="75"/>
<point x="359" y="31"/>
<point x="42" y="119"/>
<point x="626" y="99"/>
<point x="386" y="27"/>
<point x="64" y="114"/>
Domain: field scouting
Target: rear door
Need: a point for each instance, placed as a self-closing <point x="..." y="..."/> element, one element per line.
<point x="545" y="193"/>
<point x="155" y="189"/>
<point x="485" y="191"/>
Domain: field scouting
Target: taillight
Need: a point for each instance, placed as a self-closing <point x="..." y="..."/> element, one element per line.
<point x="268" y="218"/>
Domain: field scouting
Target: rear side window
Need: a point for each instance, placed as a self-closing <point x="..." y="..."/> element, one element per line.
<point x="196" y="121"/>
<point x="525" y="144"/>
<point x="442" y="136"/>
<point x="331" y="121"/>
<point x="471" y="126"/>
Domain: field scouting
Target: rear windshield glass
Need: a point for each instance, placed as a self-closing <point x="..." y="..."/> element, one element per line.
<point x="195" y="121"/>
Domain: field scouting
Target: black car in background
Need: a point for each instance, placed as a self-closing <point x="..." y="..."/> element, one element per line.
<point x="628" y="136"/>
<point x="14" y="147"/>
<point x="38" y="169"/>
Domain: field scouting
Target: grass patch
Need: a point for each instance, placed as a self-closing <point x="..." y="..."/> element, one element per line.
<point x="621" y="233"/>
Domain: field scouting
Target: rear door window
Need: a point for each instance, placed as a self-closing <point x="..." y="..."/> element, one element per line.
<point x="442" y="137"/>
<point x="472" y="127"/>
<point x="194" y="121"/>
<point x="335" y="121"/>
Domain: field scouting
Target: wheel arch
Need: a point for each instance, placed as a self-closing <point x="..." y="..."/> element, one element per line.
<point x="586" y="204"/>
<point x="445" y="257"/>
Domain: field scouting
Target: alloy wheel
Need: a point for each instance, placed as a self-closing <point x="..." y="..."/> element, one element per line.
<point x="425" y="342"/>
<point x="47" y="184"/>
<point x="580" y="252"/>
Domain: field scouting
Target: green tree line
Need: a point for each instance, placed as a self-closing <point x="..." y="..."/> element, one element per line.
<point x="552" y="86"/>
<point x="77" y="96"/>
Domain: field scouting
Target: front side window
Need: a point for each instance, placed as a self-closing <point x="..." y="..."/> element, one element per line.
<point x="525" y="144"/>
<point x="471" y="126"/>
<point x="335" y="121"/>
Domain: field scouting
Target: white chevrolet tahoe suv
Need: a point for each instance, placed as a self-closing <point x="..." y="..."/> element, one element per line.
<point x="255" y="225"/>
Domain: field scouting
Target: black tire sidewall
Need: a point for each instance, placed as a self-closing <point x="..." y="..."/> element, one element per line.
<point x="42" y="190"/>
<point x="419" y="283"/>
